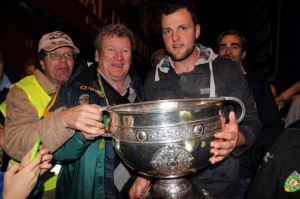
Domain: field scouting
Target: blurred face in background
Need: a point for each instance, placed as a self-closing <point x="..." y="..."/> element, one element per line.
<point x="231" y="46"/>
<point x="29" y="69"/>
<point x="157" y="56"/>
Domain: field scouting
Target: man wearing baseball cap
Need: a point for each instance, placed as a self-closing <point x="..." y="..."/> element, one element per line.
<point x="28" y="101"/>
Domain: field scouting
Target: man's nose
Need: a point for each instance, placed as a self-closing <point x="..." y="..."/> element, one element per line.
<point x="62" y="58"/>
<point x="228" y="51"/>
<point x="175" y="35"/>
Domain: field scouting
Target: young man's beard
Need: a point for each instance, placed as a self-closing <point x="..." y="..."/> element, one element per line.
<point x="186" y="54"/>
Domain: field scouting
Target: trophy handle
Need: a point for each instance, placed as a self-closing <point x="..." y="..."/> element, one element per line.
<point x="239" y="106"/>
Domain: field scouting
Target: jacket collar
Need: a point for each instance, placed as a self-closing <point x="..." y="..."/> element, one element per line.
<point x="206" y="55"/>
<point x="86" y="77"/>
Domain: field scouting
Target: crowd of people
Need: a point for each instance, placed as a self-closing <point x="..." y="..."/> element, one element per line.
<point x="77" y="161"/>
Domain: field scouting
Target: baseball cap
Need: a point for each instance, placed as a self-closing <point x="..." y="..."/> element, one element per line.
<point x="54" y="40"/>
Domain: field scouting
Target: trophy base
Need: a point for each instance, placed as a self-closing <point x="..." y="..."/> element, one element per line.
<point x="178" y="188"/>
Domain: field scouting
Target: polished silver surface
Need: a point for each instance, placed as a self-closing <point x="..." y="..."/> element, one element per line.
<point x="168" y="139"/>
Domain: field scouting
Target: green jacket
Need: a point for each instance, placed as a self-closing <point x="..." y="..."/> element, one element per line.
<point x="88" y="166"/>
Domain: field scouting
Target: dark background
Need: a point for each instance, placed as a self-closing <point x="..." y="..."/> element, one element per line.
<point x="271" y="27"/>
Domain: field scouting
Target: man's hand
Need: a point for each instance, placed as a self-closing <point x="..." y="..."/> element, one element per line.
<point x="46" y="158"/>
<point x="140" y="186"/>
<point x="43" y="158"/>
<point x="86" y="118"/>
<point x="226" y="140"/>
<point x="20" y="179"/>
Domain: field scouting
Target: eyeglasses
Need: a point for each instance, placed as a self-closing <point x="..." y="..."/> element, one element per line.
<point x="57" y="56"/>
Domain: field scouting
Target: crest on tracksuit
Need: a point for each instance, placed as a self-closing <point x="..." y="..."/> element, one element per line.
<point x="292" y="183"/>
<point x="84" y="99"/>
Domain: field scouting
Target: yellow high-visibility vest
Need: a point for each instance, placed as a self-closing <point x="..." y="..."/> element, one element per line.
<point x="35" y="93"/>
<point x="40" y="100"/>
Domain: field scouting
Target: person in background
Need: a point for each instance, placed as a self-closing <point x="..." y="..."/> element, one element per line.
<point x="4" y="80"/>
<point x="289" y="92"/>
<point x="293" y="113"/>
<point x="293" y="110"/>
<point x="190" y="70"/>
<point x="28" y="102"/>
<point x="233" y="44"/>
<point x="29" y="67"/>
<point x="21" y="179"/>
<point x="278" y="176"/>
<point x="5" y="84"/>
<point x="157" y="56"/>
<point x="90" y="166"/>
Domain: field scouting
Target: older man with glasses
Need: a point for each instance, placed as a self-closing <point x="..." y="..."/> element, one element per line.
<point x="28" y="101"/>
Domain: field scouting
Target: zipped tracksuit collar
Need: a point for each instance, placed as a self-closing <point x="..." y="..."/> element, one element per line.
<point x="206" y="56"/>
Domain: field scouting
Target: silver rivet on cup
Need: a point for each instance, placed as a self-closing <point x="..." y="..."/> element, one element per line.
<point x="198" y="129"/>
<point x="141" y="136"/>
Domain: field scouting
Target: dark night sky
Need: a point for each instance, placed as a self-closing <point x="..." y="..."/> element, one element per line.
<point x="217" y="16"/>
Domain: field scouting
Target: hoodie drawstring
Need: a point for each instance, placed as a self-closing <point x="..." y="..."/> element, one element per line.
<point x="207" y="56"/>
<point x="212" y="87"/>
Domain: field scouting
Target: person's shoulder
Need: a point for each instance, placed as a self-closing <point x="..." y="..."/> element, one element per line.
<point x="224" y="61"/>
<point x="85" y="76"/>
<point x="40" y="78"/>
<point x="226" y="67"/>
<point x="280" y="165"/>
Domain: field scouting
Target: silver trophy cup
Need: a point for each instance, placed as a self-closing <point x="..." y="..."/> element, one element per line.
<point x="169" y="139"/>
